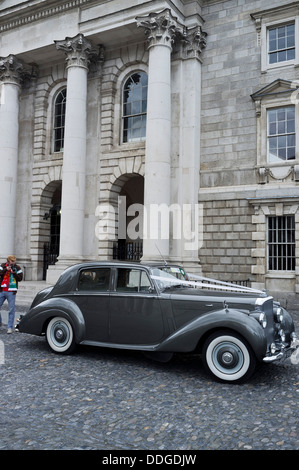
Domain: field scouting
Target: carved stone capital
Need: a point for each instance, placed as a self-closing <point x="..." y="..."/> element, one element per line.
<point x="160" y="28"/>
<point x="192" y="43"/>
<point x="79" y="51"/>
<point x="11" y="70"/>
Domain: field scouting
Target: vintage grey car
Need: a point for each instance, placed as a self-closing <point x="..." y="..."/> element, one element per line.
<point x="159" y="310"/>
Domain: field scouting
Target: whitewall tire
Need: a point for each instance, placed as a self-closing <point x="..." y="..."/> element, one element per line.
<point x="60" y="335"/>
<point x="228" y="357"/>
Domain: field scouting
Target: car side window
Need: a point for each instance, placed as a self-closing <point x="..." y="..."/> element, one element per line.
<point x="145" y="283"/>
<point x="132" y="280"/>
<point x="96" y="280"/>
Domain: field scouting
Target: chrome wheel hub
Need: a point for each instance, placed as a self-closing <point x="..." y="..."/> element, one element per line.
<point x="227" y="358"/>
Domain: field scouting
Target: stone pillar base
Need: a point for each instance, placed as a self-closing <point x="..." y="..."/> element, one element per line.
<point x="190" y="266"/>
<point x="53" y="274"/>
<point x="54" y="271"/>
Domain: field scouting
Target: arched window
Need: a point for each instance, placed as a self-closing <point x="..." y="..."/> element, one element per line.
<point x="59" y="120"/>
<point x="134" y="107"/>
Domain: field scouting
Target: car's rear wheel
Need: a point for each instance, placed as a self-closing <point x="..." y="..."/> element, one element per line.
<point x="228" y="357"/>
<point x="60" y="335"/>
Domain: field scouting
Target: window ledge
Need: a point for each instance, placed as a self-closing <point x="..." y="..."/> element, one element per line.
<point x="281" y="274"/>
<point x="280" y="65"/>
<point x="130" y="145"/>
<point x="55" y="156"/>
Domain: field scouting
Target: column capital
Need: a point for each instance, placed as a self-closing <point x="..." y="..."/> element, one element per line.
<point x="11" y="70"/>
<point x="78" y="50"/>
<point x="160" y="28"/>
<point x="193" y="42"/>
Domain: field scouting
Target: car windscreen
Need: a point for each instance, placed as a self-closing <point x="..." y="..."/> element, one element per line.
<point x="168" y="276"/>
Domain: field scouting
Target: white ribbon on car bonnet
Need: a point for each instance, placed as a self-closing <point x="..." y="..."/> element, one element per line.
<point x="205" y="282"/>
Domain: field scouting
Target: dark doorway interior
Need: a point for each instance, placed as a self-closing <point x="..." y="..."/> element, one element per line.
<point x="51" y="248"/>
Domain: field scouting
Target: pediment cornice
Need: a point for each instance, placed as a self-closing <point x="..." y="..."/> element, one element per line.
<point x="36" y="10"/>
<point x="276" y="87"/>
<point x="289" y="8"/>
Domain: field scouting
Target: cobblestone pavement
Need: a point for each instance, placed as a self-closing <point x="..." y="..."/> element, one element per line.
<point x="106" y="399"/>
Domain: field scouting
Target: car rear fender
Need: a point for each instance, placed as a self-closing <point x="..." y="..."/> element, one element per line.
<point x="36" y="320"/>
<point x="191" y="335"/>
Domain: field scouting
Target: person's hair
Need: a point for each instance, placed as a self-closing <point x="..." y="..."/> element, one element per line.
<point x="11" y="258"/>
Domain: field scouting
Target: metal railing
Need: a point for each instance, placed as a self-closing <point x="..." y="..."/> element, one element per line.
<point x="127" y="251"/>
<point x="50" y="257"/>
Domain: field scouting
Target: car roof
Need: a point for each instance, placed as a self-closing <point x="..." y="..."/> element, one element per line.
<point x="71" y="272"/>
<point x="116" y="263"/>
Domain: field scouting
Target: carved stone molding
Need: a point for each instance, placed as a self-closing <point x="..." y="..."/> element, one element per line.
<point x="192" y="43"/>
<point x="164" y="28"/>
<point x="296" y="172"/>
<point x="262" y="174"/>
<point x="79" y="51"/>
<point x="161" y="28"/>
<point x="258" y="108"/>
<point x="12" y="70"/>
<point x="281" y="174"/>
<point x="17" y="16"/>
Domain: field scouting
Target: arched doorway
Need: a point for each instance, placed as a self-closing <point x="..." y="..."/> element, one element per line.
<point x="129" y="243"/>
<point x="51" y="224"/>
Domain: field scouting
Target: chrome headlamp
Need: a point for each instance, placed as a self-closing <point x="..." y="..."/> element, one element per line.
<point x="273" y="348"/>
<point x="263" y="319"/>
<point x="294" y="337"/>
<point x="279" y="315"/>
<point x="282" y="335"/>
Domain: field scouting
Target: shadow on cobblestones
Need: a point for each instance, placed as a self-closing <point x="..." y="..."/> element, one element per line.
<point x="110" y="399"/>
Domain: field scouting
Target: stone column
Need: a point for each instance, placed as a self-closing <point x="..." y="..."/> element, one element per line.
<point x="78" y="50"/>
<point x="161" y="29"/>
<point x="186" y="166"/>
<point x="10" y="76"/>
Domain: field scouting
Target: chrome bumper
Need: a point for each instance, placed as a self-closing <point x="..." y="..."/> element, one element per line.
<point x="292" y="350"/>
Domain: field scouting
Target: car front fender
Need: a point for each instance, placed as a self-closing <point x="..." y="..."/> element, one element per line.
<point x="187" y="338"/>
<point x="37" y="317"/>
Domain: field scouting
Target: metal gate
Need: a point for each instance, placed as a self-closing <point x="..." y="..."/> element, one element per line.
<point x="128" y="251"/>
<point x="51" y="249"/>
<point x="50" y="257"/>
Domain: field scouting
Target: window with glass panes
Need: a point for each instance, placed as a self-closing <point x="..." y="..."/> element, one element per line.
<point x="135" y="107"/>
<point x="281" y="43"/>
<point x="281" y="134"/>
<point x="281" y="243"/>
<point x="59" y="120"/>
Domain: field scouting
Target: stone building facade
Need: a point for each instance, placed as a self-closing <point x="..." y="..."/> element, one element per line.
<point x="244" y="185"/>
<point x="185" y="104"/>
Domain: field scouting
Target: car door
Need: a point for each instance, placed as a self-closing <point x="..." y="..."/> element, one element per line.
<point x="135" y="310"/>
<point x="92" y="297"/>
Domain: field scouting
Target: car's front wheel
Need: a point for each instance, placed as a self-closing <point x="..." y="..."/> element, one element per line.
<point x="228" y="357"/>
<point x="60" y="335"/>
